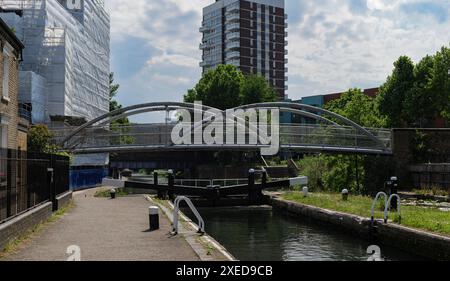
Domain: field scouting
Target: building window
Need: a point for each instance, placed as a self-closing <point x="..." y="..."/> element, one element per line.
<point x="3" y="136"/>
<point x="6" y="56"/>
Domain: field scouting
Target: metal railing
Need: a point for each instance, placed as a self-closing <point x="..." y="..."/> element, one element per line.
<point x="210" y="183"/>
<point x="387" y="205"/>
<point x="25" y="181"/>
<point x="176" y="211"/>
<point x="315" y="137"/>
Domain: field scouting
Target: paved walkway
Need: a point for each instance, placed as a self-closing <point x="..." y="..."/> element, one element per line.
<point x="106" y="230"/>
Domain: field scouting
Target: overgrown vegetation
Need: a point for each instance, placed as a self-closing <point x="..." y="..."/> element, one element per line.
<point x="433" y="191"/>
<point x="429" y="219"/>
<point x="40" y="141"/>
<point x="333" y="173"/>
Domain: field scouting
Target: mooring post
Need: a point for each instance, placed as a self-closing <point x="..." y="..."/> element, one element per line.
<point x="264" y="179"/>
<point x="393" y="191"/>
<point x="171" y="180"/>
<point x="263" y="185"/>
<point x="251" y="186"/>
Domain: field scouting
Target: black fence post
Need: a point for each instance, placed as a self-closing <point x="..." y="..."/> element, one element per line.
<point x="51" y="181"/>
<point x="9" y="179"/>
<point x="51" y="187"/>
<point x="251" y="186"/>
<point x="155" y="184"/>
<point x="171" y="180"/>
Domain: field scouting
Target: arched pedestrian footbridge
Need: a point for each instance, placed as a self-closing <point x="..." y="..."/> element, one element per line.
<point x="322" y="131"/>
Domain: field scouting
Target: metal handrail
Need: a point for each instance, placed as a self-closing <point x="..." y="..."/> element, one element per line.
<point x="178" y="200"/>
<point x="387" y="205"/>
<point x="375" y="202"/>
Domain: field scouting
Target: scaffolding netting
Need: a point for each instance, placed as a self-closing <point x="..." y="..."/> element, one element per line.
<point x="69" y="48"/>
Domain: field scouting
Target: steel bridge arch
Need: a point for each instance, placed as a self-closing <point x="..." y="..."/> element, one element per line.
<point x="299" y="109"/>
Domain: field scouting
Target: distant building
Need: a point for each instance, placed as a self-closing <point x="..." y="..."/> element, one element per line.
<point x="318" y="101"/>
<point x="64" y="77"/>
<point x="250" y="35"/>
<point x="65" y="69"/>
<point x="372" y="92"/>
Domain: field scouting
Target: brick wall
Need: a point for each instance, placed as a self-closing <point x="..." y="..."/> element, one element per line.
<point x="9" y="107"/>
<point x="438" y="152"/>
<point x="19" y="225"/>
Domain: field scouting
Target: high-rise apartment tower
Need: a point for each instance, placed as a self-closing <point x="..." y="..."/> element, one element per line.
<point x="250" y="34"/>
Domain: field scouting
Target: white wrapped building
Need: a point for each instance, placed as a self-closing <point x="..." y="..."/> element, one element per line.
<point x="65" y="69"/>
<point x="67" y="50"/>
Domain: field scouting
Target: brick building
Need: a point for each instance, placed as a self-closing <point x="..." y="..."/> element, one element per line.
<point x="14" y="126"/>
<point x="249" y="34"/>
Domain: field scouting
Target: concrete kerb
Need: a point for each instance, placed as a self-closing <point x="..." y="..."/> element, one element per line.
<point x="410" y="240"/>
<point x="190" y="234"/>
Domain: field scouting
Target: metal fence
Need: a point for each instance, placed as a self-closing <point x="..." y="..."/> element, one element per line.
<point x="30" y="179"/>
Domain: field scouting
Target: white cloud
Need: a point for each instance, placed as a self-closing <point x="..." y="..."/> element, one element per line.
<point x="333" y="44"/>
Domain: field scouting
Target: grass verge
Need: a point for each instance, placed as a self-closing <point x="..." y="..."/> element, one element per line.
<point x="424" y="218"/>
<point x="13" y="245"/>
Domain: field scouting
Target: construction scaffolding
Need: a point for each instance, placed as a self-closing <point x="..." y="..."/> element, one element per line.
<point x="69" y="49"/>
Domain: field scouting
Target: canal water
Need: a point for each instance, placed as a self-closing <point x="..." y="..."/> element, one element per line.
<point x="261" y="234"/>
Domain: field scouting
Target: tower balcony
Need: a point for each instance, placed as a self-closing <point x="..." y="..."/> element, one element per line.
<point x="204" y="46"/>
<point x="232" y="45"/>
<point x="232" y="27"/>
<point x="232" y="55"/>
<point x="204" y="29"/>
<point x="233" y="36"/>
<point x="232" y="17"/>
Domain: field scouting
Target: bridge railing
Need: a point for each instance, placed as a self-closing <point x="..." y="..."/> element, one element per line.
<point x="160" y="135"/>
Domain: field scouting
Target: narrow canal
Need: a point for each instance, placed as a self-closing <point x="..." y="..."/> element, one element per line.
<point x="261" y="234"/>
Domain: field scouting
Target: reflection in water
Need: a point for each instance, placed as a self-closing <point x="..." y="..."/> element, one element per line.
<point x="259" y="234"/>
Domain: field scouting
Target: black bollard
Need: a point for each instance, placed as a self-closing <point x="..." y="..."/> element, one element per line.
<point x="394" y="190"/>
<point x="251" y="187"/>
<point x="153" y="218"/>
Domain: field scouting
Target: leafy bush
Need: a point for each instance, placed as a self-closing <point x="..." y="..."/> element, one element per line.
<point x="332" y="173"/>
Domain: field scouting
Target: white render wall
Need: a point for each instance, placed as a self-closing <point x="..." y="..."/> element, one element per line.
<point x="70" y="50"/>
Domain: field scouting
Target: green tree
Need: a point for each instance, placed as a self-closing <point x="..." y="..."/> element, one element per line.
<point x="440" y="81"/>
<point x="119" y="125"/>
<point x="332" y="173"/>
<point x="113" y="91"/>
<point x="113" y="104"/>
<point x="39" y="139"/>
<point x="358" y="107"/>
<point x="255" y="89"/>
<point x="394" y="91"/>
<point x="219" y="88"/>
<point x="419" y="107"/>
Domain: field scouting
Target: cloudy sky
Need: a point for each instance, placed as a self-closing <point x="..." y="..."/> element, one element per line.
<point x="333" y="44"/>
